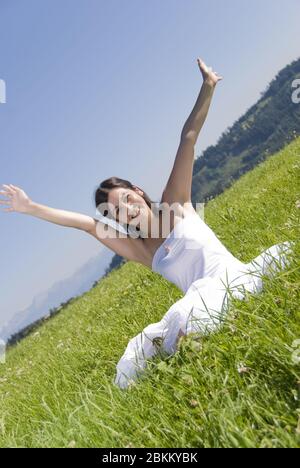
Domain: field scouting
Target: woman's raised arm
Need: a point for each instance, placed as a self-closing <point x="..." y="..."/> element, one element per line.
<point x="178" y="188"/>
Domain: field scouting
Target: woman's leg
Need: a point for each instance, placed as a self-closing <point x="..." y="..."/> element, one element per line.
<point x="201" y="310"/>
<point x="206" y="303"/>
<point x="268" y="263"/>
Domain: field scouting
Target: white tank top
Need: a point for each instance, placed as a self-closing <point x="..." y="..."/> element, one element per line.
<point x="192" y="251"/>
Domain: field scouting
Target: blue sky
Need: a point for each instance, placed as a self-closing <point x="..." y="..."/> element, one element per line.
<point x="99" y="88"/>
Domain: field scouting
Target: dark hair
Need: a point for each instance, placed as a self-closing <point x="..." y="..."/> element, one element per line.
<point x="101" y="193"/>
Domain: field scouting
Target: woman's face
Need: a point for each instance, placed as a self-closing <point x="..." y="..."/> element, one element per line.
<point x="127" y="206"/>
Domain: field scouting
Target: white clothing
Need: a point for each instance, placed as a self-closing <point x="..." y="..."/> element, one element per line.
<point x="193" y="258"/>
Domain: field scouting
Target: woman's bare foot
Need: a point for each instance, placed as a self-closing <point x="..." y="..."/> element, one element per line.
<point x="209" y="76"/>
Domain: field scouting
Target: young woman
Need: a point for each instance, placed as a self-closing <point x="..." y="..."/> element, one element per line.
<point x="172" y="240"/>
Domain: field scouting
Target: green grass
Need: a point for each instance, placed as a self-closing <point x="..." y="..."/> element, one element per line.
<point x="56" y="388"/>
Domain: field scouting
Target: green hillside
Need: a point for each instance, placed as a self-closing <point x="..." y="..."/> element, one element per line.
<point x="239" y="387"/>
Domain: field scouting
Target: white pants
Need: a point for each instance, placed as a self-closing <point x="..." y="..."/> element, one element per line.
<point x="202" y="309"/>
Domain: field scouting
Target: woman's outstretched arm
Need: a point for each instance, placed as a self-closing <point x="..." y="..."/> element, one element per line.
<point x="17" y="200"/>
<point x="178" y="188"/>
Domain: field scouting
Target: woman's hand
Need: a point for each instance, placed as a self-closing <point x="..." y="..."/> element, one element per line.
<point x="209" y="76"/>
<point x="17" y="200"/>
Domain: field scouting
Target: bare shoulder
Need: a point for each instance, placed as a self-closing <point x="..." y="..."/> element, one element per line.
<point x="124" y="245"/>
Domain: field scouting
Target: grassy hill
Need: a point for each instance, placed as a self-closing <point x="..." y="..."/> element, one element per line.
<point x="237" y="388"/>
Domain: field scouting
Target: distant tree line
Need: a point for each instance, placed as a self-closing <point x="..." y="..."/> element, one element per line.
<point x="116" y="262"/>
<point x="32" y="327"/>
